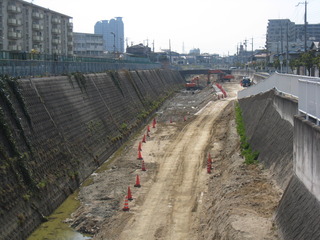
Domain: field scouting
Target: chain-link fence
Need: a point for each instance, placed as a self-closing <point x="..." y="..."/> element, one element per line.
<point x="25" y="68"/>
<point x="27" y="64"/>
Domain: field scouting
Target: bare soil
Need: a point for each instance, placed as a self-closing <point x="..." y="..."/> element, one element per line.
<point x="178" y="198"/>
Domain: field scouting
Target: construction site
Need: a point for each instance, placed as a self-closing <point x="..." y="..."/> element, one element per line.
<point x="181" y="176"/>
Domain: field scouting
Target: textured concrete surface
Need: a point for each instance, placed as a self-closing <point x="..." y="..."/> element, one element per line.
<point x="289" y="145"/>
<point x="270" y="133"/>
<point x="298" y="213"/>
<point x="73" y="124"/>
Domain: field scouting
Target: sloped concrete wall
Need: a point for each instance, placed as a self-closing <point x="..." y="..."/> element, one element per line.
<point x="298" y="213"/>
<point x="268" y="128"/>
<point x="307" y="154"/>
<point x="299" y="209"/>
<point x="289" y="145"/>
<point x="56" y="131"/>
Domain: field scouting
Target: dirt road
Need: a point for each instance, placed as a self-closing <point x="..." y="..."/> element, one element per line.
<point x="178" y="198"/>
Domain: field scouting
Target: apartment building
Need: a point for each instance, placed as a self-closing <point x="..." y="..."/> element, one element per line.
<point x="87" y="44"/>
<point x="26" y="27"/>
<point x="279" y="31"/>
<point x="283" y="31"/>
<point x="313" y="32"/>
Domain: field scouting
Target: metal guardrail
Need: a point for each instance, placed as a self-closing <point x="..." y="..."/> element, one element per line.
<point x="309" y="98"/>
<point x="305" y="89"/>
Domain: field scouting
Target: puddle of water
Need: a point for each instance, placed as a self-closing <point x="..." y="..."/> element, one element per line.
<point x="54" y="228"/>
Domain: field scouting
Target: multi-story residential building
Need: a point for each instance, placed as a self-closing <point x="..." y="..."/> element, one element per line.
<point x="26" y="27"/>
<point x="283" y="31"/>
<point x="313" y="32"/>
<point x="279" y="31"/>
<point x="113" y="34"/>
<point x="88" y="44"/>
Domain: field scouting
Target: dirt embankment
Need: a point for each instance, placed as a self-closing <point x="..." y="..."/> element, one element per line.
<point x="178" y="198"/>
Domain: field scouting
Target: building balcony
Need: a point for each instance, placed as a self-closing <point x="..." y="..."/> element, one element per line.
<point x="56" y="31"/>
<point x="14" y="22"/>
<point x="37" y="15"/>
<point x="36" y="49"/>
<point x="37" y="38"/>
<point x="36" y="26"/>
<point x="70" y="26"/>
<point x="15" y="47"/>
<point x="56" y="51"/>
<point x="14" y="9"/>
<point x="55" y="20"/>
<point x="14" y="35"/>
<point x="56" y="41"/>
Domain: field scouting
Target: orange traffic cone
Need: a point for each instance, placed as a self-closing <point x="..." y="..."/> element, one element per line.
<point x="129" y="194"/>
<point x="144" y="139"/>
<point x="139" y="155"/>
<point x="143" y="167"/>
<point x="148" y="128"/>
<point x="209" y="168"/>
<point x="154" y="121"/>
<point x="126" y="204"/>
<point x="209" y="158"/>
<point x="139" y="147"/>
<point x="184" y="118"/>
<point x="137" y="182"/>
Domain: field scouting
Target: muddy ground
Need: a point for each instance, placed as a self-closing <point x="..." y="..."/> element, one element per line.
<point x="178" y="198"/>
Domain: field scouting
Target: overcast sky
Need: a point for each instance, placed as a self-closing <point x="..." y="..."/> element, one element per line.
<point x="211" y="25"/>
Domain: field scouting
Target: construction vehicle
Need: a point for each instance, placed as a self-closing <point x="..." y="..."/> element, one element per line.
<point x="245" y="82"/>
<point x="193" y="84"/>
<point x="221" y="75"/>
<point x="226" y="77"/>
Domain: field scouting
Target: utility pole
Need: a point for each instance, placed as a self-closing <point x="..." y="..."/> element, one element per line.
<point x="287" y="52"/>
<point x="252" y="50"/>
<point x="305" y="29"/>
<point x="305" y="23"/>
<point x="281" y="39"/>
<point x="305" y="26"/>
<point x="170" y="50"/>
<point x="246" y="53"/>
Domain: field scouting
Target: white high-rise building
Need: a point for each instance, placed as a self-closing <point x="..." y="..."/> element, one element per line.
<point x="113" y="34"/>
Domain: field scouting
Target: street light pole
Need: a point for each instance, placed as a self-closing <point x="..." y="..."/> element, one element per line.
<point x="114" y="44"/>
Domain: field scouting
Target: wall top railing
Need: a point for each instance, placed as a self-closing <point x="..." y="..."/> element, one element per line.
<point x="305" y="89"/>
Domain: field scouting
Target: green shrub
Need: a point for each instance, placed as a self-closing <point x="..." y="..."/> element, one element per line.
<point x="246" y="151"/>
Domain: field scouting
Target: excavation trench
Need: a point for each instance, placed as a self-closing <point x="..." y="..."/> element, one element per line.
<point x="178" y="198"/>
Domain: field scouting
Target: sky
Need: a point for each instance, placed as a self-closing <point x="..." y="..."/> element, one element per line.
<point x="212" y="26"/>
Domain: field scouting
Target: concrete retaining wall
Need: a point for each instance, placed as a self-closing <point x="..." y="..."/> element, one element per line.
<point x="298" y="213"/>
<point x="289" y="145"/>
<point x="56" y="131"/>
<point x="267" y="120"/>
<point x="307" y="154"/>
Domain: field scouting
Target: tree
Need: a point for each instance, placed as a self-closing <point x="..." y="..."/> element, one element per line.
<point x="295" y="64"/>
<point x="307" y="59"/>
<point x="317" y="62"/>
